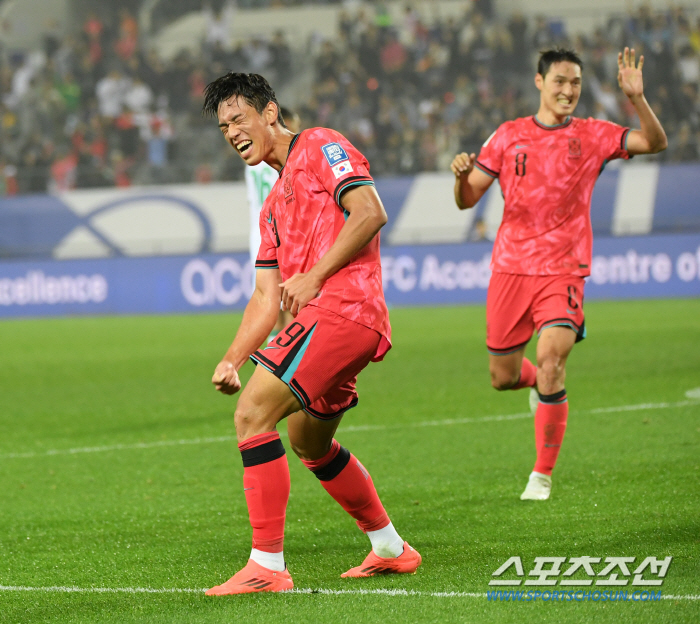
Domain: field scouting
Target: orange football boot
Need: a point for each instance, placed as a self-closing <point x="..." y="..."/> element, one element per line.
<point x="253" y="578"/>
<point x="406" y="563"/>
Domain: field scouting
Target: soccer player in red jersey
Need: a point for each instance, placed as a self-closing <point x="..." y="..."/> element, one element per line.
<point x="547" y="166"/>
<point x="319" y="256"/>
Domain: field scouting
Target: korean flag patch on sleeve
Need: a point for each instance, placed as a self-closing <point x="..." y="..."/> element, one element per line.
<point x="341" y="169"/>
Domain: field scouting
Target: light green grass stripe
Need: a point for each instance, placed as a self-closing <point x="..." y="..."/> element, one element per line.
<point x="300" y="591"/>
<point x="351" y="429"/>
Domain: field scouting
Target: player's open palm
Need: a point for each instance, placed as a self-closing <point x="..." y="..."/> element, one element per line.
<point x="225" y="378"/>
<point x="629" y="75"/>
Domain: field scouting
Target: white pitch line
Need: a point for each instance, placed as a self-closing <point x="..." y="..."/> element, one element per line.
<point x="118" y="447"/>
<point x="641" y="406"/>
<point x="299" y="591"/>
<point x="351" y="429"/>
<point x="102" y="590"/>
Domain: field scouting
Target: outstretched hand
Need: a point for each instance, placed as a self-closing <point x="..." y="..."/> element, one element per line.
<point x="629" y="75"/>
<point x="225" y="378"/>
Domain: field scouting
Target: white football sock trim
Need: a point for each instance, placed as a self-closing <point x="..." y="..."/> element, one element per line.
<point x="271" y="561"/>
<point x="386" y="542"/>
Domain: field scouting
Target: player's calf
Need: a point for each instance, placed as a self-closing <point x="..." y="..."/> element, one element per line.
<point x="512" y="372"/>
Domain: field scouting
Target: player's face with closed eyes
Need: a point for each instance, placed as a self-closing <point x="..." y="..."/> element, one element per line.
<point x="246" y="130"/>
<point x="560" y="88"/>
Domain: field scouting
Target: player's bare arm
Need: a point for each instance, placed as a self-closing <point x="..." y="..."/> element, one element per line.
<point x="470" y="183"/>
<point x="366" y="217"/>
<point x="651" y="139"/>
<point x="258" y="319"/>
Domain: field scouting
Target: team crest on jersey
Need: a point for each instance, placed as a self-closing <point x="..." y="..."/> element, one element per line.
<point x="288" y="189"/>
<point x="574" y="148"/>
<point x="334" y="153"/>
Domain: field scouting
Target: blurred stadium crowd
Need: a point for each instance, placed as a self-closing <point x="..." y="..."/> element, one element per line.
<point x="99" y="107"/>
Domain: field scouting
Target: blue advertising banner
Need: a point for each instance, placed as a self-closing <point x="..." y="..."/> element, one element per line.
<point x="622" y="268"/>
<point x="125" y="285"/>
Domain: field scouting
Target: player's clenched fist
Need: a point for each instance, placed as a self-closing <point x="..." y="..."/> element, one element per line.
<point x="463" y="164"/>
<point x="225" y="378"/>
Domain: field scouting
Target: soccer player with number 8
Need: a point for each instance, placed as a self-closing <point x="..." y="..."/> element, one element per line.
<point x="547" y="166"/>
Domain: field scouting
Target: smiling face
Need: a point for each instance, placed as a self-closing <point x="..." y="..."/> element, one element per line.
<point x="560" y="90"/>
<point x="247" y="131"/>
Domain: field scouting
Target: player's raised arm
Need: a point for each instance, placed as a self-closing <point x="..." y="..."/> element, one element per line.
<point x="366" y="216"/>
<point x="651" y="139"/>
<point x="470" y="183"/>
<point x="258" y="319"/>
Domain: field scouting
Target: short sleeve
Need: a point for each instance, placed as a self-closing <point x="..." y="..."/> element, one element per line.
<point x="269" y="241"/>
<point x="490" y="159"/>
<point x="611" y="139"/>
<point x="338" y="165"/>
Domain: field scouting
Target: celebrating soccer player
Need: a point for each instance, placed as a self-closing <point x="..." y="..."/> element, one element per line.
<point x="547" y="166"/>
<point x="319" y="256"/>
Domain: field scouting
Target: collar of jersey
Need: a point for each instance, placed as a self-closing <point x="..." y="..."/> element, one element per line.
<point x="544" y="126"/>
<point x="289" y="151"/>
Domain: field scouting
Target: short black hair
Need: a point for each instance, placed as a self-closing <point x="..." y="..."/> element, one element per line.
<point x="253" y="88"/>
<point x="556" y="55"/>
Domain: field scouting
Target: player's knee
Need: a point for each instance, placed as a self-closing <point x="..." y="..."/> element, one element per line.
<point x="246" y="418"/>
<point x="503" y="379"/>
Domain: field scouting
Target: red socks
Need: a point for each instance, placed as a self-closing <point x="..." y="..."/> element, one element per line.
<point x="347" y="481"/>
<point x="266" y="486"/>
<point x="550" y="425"/>
<point x="528" y="375"/>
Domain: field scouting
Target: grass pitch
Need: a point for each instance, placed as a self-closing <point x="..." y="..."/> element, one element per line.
<point x="119" y="471"/>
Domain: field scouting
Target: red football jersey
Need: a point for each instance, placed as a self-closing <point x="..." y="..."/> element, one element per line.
<point x="302" y="217"/>
<point x="547" y="174"/>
